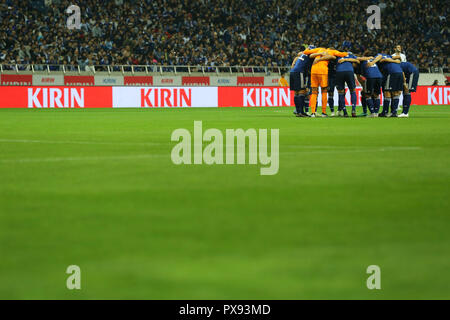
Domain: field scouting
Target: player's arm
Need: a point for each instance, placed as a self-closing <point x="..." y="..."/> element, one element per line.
<point x="314" y="55"/>
<point x="338" y="53"/>
<point x="364" y="58"/>
<point x="296" y="58"/>
<point x="348" y="60"/>
<point x="377" y="59"/>
<point x="310" y="51"/>
<point x="396" y="57"/>
<point x="324" y="58"/>
<point x="390" y="60"/>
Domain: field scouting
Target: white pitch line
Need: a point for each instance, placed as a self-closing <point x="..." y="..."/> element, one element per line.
<point x="351" y="151"/>
<point x="60" y="159"/>
<point x="355" y="147"/>
<point x="149" y="156"/>
<point x="79" y="142"/>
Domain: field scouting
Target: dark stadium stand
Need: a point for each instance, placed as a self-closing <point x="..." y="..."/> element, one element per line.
<point x="216" y="32"/>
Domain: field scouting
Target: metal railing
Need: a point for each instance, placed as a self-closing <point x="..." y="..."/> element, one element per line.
<point x="142" y="69"/>
<point x="159" y="69"/>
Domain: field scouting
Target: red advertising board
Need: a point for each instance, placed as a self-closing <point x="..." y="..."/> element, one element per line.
<point x="250" y="81"/>
<point x="428" y="95"/>
<point x="138" y="80"/>
<point x="79" y="80"/>
<point x="55" y="97"/>
<point x="147" y="96"/>
<point x="195" y="81"/>
<point x="17" y="79"/>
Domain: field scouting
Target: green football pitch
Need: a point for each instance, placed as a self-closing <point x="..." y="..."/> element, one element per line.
<point x="97" y="188"/>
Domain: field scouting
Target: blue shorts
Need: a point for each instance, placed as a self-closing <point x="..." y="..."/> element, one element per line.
<point x="394" y="82"/>
<point x="298" y="81"/>
<point x="345" y="77"/>
<point x="372" y="86"/>
<point x="412" y="80"/>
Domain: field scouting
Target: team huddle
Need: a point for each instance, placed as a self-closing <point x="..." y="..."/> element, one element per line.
<point x="328" y="68"/>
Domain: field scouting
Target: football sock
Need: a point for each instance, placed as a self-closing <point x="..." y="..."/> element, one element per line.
<point x="297" y="104"/>
<point x="353" y="100"/>
<point x="312" y="102"/>
<point x="324" y="101"/>
<point x="406" y="103"/>
<point x="386" y="104"/>
<point x="394" y="105"/>
<point x="301" y="100"/>
<point x="364" y="104"/>
<point x="376" y="104"/>
<point x="307" y="103"/>
<point x="331" y="102"/>
<point x="370" y="105"/>
<point x="341" y="101"/>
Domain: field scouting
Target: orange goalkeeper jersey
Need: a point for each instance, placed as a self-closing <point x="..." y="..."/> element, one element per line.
<point x="322" y="66"/>
<point x="282" y="82"/>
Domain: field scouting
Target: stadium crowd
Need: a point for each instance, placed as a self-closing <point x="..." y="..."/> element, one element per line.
<point x="217" y="32"/>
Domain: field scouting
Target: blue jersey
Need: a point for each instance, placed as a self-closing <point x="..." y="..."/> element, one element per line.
<point x="370" y="73"/>
<point x="345" y="66"/>
<point x="381" y="65"/>
<point x="303" y="64"/>
<point x="408" y="68"/>
<point x="390" y="67"/>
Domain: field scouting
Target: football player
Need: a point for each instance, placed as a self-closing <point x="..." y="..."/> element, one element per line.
<point x="299" y="79"/>
<point x="392" y="82"/>
<point x="411" y="78"/>
<point x="319" y="75"/>
<point x="345" y="75"/>
<point x="372" y="85"/>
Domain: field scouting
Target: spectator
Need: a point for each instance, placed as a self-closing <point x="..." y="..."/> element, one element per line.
<point x="282" y="82"/>
<point x="262" y="33"/>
